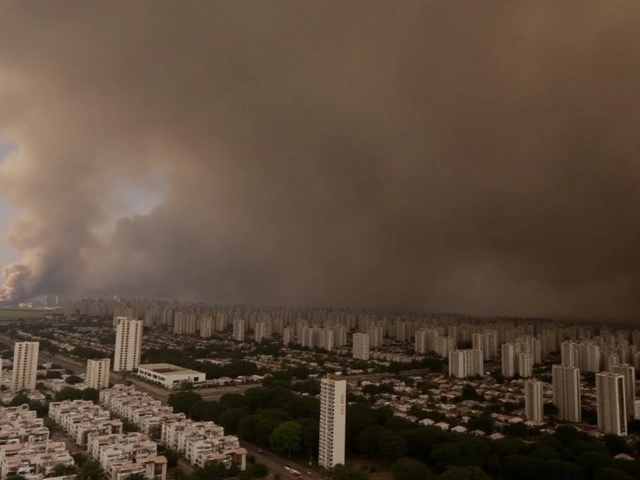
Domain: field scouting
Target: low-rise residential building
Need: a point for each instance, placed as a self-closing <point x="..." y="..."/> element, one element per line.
<point x="25" y="446"/>
<point x="199" y="442"/>
<point x="119" y="454"/>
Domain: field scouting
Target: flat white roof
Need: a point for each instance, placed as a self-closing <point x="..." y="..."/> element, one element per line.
<point x="168" y="369"/>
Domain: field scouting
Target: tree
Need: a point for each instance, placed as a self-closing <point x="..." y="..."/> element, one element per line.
<point x="287" y="438"/>
<point x="73" y="379"/>
<point x="183" y="402"/>
<point x="409" y="469"/>
<point x="172" y="457"/>
<point x="68" y="393"/>
<point x="90" y="394"/>
<point x="611" y="474"/>
<point x="136" y="476"/>
<point x="90" y="470"/>
<point x="20" y="399"/>
<point x="392" y="446"/>
<point x="60" y="469"/>
<point x="470" y="393"/>
<point x="615" y="444"/>
<point x="155" y="432"/>
<point x="464" y="473"/>
<point x="367" y="442"/>
<point x="264" y="429"/>
<point x="230" y="419"/>
<point x="259" y="470"/>
<point x="340" y="472"/>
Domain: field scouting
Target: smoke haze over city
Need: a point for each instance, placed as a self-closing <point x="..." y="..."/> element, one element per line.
<point x="466" y="156"/>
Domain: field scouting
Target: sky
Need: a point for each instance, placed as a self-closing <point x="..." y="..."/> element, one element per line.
<point x="8" y="253"/>
<point x="478" y="157"/>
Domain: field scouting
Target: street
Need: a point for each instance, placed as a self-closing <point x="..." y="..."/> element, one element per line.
<point x="276" y="464"/>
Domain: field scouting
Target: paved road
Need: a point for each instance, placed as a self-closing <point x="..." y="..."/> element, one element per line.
<point x="276" y="464"/>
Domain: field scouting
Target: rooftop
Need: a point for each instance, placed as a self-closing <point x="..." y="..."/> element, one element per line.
<point x="164" y="368"/>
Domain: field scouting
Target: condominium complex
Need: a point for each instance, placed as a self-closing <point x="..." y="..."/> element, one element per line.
<point x="199" y="442"/>
<point x="98" y="373"/>
<point x="533" y="400"/>
<point x="612" y="409"/>
<point x="26" y="448"/>
<point x="25" y="366"/>
<point x="525" y="365"/>
<point x="333" y="414"/>
<point x="119" y="454"/>
<point x="128" y="344"/>
<point x="361" y="346"/>
<point x="566" y="393"/>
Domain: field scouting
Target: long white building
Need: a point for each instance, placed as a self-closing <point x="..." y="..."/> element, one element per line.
<point x="566" y="393"/>
<point x="25" y="366"/>
<point x="533" y="400"/>
<point x="612" y="409"/>
<point x="98" y="373"/>
<point x="128" y="344"/>
<point x="333" y="415"/>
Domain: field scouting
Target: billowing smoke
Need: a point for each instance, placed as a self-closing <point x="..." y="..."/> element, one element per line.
<point x="467" y="156"/>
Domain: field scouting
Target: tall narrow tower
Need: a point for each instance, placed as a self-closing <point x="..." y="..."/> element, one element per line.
<point x="25" y="366"/>
<point x="128" y="344"/>
<point x="612" y="409"/>
<point x="566" y="393"/>
<point x="533" y="400"/>
<point x="333" y="415"/>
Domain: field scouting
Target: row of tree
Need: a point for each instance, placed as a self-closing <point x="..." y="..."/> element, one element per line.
<point x="275" y="416"/>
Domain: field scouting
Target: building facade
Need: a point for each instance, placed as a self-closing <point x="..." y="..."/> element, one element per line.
<point x="98" y="373"/>
<point x="533" y="400"/>
<point x="566" y="393"/>
<point x="128" y="344"/>
<point x="25" y="366"/>
<point x="333" y="414"/>
<point x="612" y="409"/>
<point x="361" y="346"/>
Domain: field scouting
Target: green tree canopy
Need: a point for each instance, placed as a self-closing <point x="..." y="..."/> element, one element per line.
<point x="183" y="402"/>
<point x="409" y="469"/>
<point x="287" y="438"/>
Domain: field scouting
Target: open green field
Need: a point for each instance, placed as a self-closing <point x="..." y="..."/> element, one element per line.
<point x="11" y="313"/>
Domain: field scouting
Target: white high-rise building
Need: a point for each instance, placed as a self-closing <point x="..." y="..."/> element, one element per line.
<point x="238" y="329"/>
<point x="508" y="359"/>
<point x="566" y="393"/>
<point x="287" y="336"/>
<point x="612" y="409"/>
<point x="569" y="354"/>
<point x="333" y="415"/>
<point x="525" y="365"/>
<point x="128" y="344"/>
<point x="98" y="373"/>
<point x="629" y="374"/>
<point x="361" y="346"/>
<point x="262" y="331"/>
<point x="466" y="363"/>
<point x="25" y="366"/>
<point x="206" y="326"/>
<point x="533" y="400"/>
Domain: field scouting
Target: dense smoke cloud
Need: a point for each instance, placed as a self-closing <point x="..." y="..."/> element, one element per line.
<point x="467" y="156"/>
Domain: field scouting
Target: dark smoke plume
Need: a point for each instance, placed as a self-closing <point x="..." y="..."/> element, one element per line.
<point x="472" y="156"/>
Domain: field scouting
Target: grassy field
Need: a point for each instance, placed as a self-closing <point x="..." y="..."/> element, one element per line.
<point x="11" y="313"/>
